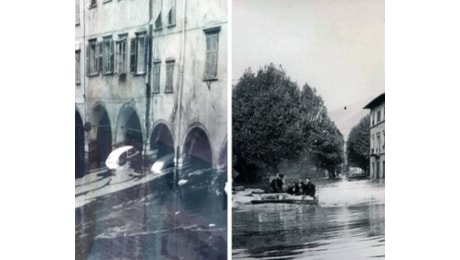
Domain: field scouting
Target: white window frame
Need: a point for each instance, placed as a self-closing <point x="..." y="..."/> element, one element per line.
<point x="169" y="85"/>
<point x="92" y="57"/>
<point x="212" y="54"/>
<point x="156" y="75"/>
<point x="138" y="53"/>
<point x="78" y="67"/>
<point x="121" y="53"/>
<point x="108" y="55"/>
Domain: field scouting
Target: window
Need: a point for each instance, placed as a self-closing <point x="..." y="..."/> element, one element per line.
<point x="169" y="76"/>
<point x="156" y="76"/>
<point x="378" y="116"/>
<point x="77" y="67"/>
<point x="383" y="146"/>
<point x="372" y="144"/>
<point x="378" y="143"/>
<point x="157" y="14"/>
<point x="138" y="53"/>
<point x="93" y="57"/>
<point x="77" y="12"/>
<point x="158" y="22"/>
<point x="212" y="43"/>
<point x="172" y="15"/>
<point x="107" y="55"/>
<point x="121" y="55"/>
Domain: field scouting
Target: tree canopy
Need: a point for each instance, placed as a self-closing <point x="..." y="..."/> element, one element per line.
<point x="358" y="144"/>
<point x="273" y="120"/>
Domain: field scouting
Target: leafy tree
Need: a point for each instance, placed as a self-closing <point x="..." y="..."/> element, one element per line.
<point x="274" y="121"/>
<point x="323" y="140"/>
<point x="358" y="144"/>
<point x="266" y="118"/>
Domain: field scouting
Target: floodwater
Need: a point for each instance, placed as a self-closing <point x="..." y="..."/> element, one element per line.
<point x="348" y="223"/>
<point x="180" y="215"/>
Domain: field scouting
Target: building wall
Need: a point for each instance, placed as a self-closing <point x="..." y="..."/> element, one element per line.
<point x="377" y="152"/>
<point x="199" y="103"/>
<point x="192" y="103"/>
<point x="79" y="47"/>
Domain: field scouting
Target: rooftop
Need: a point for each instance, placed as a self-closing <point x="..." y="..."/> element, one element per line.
<point x="376" y="101"/>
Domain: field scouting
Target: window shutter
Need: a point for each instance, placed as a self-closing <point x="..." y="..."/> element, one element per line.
<point x="87" y="59"/>
<point x="215" y="43"/>
<point x="118" y="56"/>
<point x="146" y="51"/>
<point x="133" y="52"/>
<point x="112" y="57"/>
<point x="213" y="64"/>
<point x="99" y="57"/>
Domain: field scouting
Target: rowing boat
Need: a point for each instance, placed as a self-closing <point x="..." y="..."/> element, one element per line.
<point x="284" y="198"/>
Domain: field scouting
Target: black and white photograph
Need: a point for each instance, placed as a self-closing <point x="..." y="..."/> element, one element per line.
<point x="151" y="129"/>
<point x="308" y="129"/>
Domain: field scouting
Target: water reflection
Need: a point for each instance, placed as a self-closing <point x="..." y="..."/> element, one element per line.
<point x="157" y="220"/>
<point x="353" y="228"/>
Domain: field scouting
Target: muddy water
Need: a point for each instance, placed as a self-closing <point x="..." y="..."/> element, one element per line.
<point x="349" y="223"/>
<point x="160" y="219"/>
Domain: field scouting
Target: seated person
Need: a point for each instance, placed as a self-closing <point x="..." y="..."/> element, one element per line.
<point x="299" y="188"/>
<point x="277" y="184"/>
<point x="309" y="188"/>
<point x="292" y="188"/>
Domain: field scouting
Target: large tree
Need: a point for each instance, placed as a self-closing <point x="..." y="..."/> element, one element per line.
<point x="266" y="118"/>
<point x="323" y="140"/>
<point x="358" y="144"/>
<point x="274" y="121"/>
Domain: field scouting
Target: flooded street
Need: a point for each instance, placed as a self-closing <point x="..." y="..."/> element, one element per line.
<point x="349" y="223"/>
<point x="169" y="217"/>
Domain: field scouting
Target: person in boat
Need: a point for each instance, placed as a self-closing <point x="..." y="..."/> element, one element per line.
<point x="309" y="188"/>
<point x="293" y="188"/>
<point x="299" y="188"/>
<point x="277" y="184"/>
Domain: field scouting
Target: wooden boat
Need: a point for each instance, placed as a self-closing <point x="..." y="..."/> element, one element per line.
<point x="284" y="198"/>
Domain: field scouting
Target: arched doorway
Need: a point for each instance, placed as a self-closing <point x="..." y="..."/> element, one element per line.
<point x="79" y="146"/>
<point x="100" y="148"/>
<point x="129" y="131"/>
<point x="161" y="142"/>
<point x="197" y="148"/>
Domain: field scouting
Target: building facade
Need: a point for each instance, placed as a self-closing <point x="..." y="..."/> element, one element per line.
<point x="151" y="74"/>
<point x="377" y="137"/>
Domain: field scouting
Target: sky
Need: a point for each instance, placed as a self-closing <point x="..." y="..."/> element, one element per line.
<point x="336" y="46"/>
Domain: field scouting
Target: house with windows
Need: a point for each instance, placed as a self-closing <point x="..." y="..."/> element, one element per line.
<point x="151" y="74"/>
<point x="377" y="137"/>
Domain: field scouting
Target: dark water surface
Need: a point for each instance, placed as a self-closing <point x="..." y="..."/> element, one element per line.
<point x="159" y="219"/>
<point x="349" y="223"/>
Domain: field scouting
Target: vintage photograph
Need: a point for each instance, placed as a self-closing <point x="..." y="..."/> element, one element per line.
<point x="308" y="129"/>
<point x="151" y="129"/>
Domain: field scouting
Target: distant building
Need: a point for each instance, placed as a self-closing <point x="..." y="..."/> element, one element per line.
<point x="377" y="137"/>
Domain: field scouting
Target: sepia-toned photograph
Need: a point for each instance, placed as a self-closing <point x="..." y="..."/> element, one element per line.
<point x="151" y="129"/>
<point x="308" y="129"/>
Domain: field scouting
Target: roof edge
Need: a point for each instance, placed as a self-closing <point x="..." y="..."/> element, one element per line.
<point x="375" y="102"/>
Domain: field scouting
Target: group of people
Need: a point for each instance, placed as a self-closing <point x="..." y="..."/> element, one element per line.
<point x="296" y="188"/>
